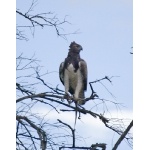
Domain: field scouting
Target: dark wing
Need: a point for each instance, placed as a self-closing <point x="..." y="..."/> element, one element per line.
<point x="61" y="72"/>
<point x="84" y="72"/>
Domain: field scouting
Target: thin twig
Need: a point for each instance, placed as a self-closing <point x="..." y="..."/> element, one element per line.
<point x="72" y="130"/>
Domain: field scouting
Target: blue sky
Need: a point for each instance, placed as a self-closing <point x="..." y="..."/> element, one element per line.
<point x="106" y="37"/>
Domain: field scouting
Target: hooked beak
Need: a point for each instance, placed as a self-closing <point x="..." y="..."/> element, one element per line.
<point x="81" y="49"/>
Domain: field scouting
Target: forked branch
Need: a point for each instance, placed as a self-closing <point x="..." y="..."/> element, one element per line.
<point x="40" y="132"/>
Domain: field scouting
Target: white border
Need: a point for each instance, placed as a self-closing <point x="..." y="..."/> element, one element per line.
<point x="7" y="74"/>
<point x="141" y="74"/>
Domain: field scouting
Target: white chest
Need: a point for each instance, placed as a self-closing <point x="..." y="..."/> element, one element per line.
<point x="71" y="71"/>
<point x="72" y="76"/>
<point x="73" y="79"/>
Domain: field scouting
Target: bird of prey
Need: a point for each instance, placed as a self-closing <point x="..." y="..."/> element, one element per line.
<point x="73" y="73"/>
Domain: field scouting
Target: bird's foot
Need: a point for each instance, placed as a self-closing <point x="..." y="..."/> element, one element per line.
<point x="79" y="101"/>
<point x="68" y="98"/>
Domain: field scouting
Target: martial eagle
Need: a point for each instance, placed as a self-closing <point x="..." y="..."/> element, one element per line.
<point x="73" y="73"/>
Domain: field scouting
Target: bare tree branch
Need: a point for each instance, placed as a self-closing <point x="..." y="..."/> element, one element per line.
<point x="42" y="20"/>
<point x="41" y="133"/>
<point x="72" y="130"/>
<point x="123" y="135"/>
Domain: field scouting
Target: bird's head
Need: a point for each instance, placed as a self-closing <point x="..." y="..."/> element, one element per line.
<point x="74" y="47"/>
